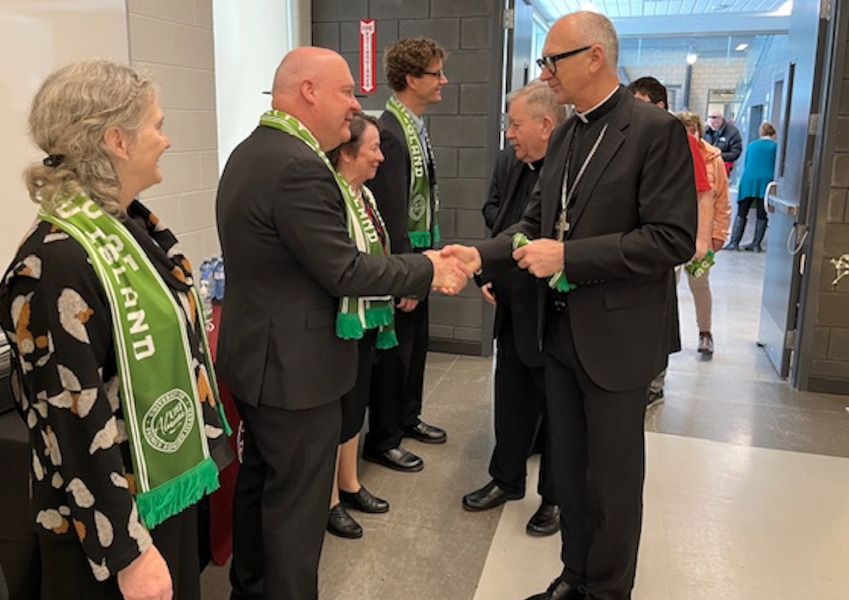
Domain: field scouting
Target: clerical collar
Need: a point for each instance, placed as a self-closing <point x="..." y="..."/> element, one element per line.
<point x="536" y="165"/>
<point x="600" y="109"/>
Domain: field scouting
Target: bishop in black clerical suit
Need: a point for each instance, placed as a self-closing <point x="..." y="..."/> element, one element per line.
<point x="630" y="205"/>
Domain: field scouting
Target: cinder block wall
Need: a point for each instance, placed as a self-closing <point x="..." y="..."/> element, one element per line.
<point x="464" y="127"/>
<point x="173" y="40"/>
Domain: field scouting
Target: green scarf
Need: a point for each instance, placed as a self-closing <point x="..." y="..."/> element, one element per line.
<point x="158" y="388"/>
<point x="356" y="314"/>
<point x="558" y="281"/>
<point x="422" y="209"/>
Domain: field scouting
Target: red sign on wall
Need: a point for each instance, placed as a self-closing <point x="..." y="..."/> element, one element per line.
<point x="367" y="56"/>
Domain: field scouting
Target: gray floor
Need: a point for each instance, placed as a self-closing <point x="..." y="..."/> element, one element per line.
<point x="731" y="417"/>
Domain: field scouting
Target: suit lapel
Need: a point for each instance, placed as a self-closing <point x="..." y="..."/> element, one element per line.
<point x="555" y="167"/>
<point x="613" y="138"/>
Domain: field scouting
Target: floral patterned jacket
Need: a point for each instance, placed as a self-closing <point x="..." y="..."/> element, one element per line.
<point x="59" y="324"/>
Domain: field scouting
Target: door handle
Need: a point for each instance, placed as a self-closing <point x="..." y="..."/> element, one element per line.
<point x="771" y="187"/>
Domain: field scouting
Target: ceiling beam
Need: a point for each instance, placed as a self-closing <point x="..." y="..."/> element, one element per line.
<point x="701" y="25"/>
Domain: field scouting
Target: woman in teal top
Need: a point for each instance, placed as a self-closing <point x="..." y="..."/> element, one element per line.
<point x="758" y="171"/>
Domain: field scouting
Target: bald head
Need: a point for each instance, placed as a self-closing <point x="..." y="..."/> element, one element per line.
<point x="587" y="28"/>
<point x="581" y="51"/>
<point x="315" y="86"/>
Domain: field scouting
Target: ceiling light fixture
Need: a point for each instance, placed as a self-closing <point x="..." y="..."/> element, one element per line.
<point x="692" y="57"/>
<point x="741" y="47"/>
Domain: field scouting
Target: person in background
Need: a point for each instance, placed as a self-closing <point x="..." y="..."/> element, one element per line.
<point x="357" y="160"/>
<point x="758" y="171"/>
<point x="649" y="89"/>
<point x="112" y="370"/>
<point x="603" y="245"/>
<point x="714" y="223"/>
<point x="726" y="137"/>
<point x="532" y="116"/>
<point x="407" y="196"/>
<point x="292" y="272"/>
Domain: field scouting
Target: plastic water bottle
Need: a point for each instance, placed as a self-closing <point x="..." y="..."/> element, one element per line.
<point x="205" y="288"/>
<point x="218" y="277"/>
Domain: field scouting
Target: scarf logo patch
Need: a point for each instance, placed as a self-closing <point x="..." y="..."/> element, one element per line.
<point x="418" y="206"/>
<point x="167" y="423"/>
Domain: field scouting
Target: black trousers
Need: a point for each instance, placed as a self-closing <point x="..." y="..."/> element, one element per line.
<point x="67" y="575"/>
<point x="598" y="462"/>
<point x="282" y="495"/>
<point x="519" y="417"/>
<point x="397" y="382"/>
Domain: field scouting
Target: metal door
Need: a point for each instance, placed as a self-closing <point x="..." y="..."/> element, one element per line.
<point x="789" y="201"/>
<point x="520" y="27"/>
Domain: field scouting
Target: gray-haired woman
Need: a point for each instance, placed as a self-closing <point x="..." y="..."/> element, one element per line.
<point x="111" y="366"/>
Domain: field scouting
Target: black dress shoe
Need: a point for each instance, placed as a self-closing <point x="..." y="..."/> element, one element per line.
<point x="489" y="496"/>
<point x="426" y="433"/>
<point x="363" y="501"/>
<point x="395" y="458"/>
<point x="340" y="523"/>
<point x="560" y="590"/>
<point x="546" y="520"/>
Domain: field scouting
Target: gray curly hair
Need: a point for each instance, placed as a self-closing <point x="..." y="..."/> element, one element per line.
<point x="70" y="114"/>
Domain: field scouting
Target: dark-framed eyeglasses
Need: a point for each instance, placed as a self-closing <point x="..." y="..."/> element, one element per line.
<point x="550" y="62"/>
<point x="438" y="74"/>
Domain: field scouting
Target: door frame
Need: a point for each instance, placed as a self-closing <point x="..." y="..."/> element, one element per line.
<point x="833" y="67"/>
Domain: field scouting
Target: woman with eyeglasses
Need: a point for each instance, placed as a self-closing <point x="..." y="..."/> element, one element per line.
<point x="356" y="161"/>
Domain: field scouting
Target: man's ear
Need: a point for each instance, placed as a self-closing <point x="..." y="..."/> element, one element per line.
<point x="308" y="91"/>
<point x="116" y="141"/>
<point x="547" y="127"/>
<point x="597" y="55"/>
<point x="411" y="81"/>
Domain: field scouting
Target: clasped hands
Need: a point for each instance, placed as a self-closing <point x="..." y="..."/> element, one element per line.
<point x="455" y="264"/>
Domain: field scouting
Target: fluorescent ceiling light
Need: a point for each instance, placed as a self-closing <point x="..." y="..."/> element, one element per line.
<point x="692" y="57"/>
<point x="741" y="47"/>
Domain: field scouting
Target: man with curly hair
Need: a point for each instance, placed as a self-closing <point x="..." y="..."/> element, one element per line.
<point x="407" y="197"/>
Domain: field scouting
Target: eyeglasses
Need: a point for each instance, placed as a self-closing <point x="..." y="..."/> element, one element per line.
<point x="440" y="73"/>
<point x="714" y="116"/>
<point x="550" y="62"/>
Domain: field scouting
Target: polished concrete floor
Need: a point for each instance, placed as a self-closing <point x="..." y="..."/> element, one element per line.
<point x="747" y="486"/>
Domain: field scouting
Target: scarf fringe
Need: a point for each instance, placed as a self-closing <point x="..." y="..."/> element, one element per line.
<point x="348" y="326"/>
<point x="559" y="283"/>
<point x="386" y="339"/>
<point x="420" y="239"/>
<point x="378" y="316"/>
<point x="177" y="494"/>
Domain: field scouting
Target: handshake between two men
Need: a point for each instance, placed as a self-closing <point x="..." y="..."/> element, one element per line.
<point x="455" y="264"/>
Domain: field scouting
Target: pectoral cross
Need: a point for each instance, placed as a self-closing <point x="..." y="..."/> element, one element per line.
<point x="561" y="228"/>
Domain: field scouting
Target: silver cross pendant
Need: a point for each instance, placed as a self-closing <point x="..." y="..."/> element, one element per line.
<point x="562" y="226"/>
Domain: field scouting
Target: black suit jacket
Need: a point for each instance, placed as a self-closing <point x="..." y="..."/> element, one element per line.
<point x="288" y="259"/>
<point x="632" y="221"/>
<point x="515" y="289"/>
<point x="391" y="183"/>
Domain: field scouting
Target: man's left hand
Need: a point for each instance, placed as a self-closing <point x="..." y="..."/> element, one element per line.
<point x="542" y="257"/>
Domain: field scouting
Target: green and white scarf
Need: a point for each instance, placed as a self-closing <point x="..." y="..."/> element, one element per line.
<point x="422" y="209"/>
<point x="158" y="387"/>
<point x="558" y="281"/>
<point x="356" y="314"/>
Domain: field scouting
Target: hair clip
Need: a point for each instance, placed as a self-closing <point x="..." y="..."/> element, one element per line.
<point x="53" y="160"/>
